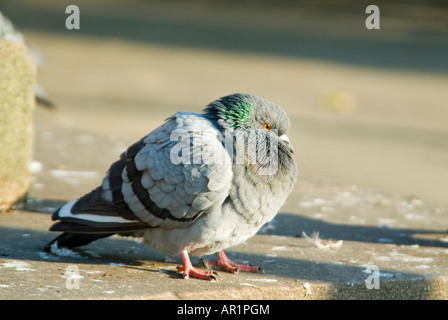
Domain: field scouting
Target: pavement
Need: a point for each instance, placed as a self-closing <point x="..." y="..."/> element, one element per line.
<point x="368" y="216"/>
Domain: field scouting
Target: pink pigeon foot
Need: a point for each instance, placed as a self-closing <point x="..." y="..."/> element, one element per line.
<point x="224" y="263"/>
<point x="189" y="271"/>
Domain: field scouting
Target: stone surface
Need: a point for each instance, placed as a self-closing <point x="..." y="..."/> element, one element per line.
<point x="16" y="116"/>
<point x="410" y="261"/>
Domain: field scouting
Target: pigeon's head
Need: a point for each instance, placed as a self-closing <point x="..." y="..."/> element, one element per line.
<point x="246" y="112"/>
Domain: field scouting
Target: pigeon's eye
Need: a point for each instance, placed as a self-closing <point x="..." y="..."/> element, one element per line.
<point x="267" y="126"/>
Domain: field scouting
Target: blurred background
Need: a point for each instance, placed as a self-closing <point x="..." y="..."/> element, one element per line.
<point x="368" y="107"/>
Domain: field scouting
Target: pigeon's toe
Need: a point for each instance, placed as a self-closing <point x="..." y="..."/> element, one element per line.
<point x="225" y="264"/>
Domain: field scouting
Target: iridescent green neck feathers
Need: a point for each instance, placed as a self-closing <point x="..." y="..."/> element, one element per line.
<point x="235" y="110"/>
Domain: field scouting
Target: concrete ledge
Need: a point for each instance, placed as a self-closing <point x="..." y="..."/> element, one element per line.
<point x="121" y="268"/>
<point x="16" y="104"/>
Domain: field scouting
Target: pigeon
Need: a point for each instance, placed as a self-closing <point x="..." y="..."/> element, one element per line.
<point x="196" y="185"/>
<point x="9" y="33"/>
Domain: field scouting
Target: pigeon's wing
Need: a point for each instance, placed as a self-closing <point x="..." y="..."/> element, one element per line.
<point x="168" y="179"/>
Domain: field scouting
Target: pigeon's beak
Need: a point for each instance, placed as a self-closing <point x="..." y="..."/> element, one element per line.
<point x="285" y="139"/>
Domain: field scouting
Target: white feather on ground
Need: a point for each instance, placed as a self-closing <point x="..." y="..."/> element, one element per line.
<point x="320" y="243"/>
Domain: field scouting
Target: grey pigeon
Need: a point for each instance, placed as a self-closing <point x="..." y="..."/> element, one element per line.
<point x="196" y="185"/>
<point x="9" y="33"/>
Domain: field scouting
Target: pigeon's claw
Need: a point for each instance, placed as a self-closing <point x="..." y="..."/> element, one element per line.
<point x="189" y="271"/>
<point x="224" y="263"/>
<point x="195" y="273"/>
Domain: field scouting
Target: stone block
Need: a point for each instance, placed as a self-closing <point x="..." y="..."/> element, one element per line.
<point x="17" y="76"/>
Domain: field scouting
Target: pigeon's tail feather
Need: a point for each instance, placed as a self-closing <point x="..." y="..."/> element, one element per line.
<point x="79" y="228"/>
<point x="91" y="214"/>
<point x="73" y="240"/>
<point x="87" y="219"/>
